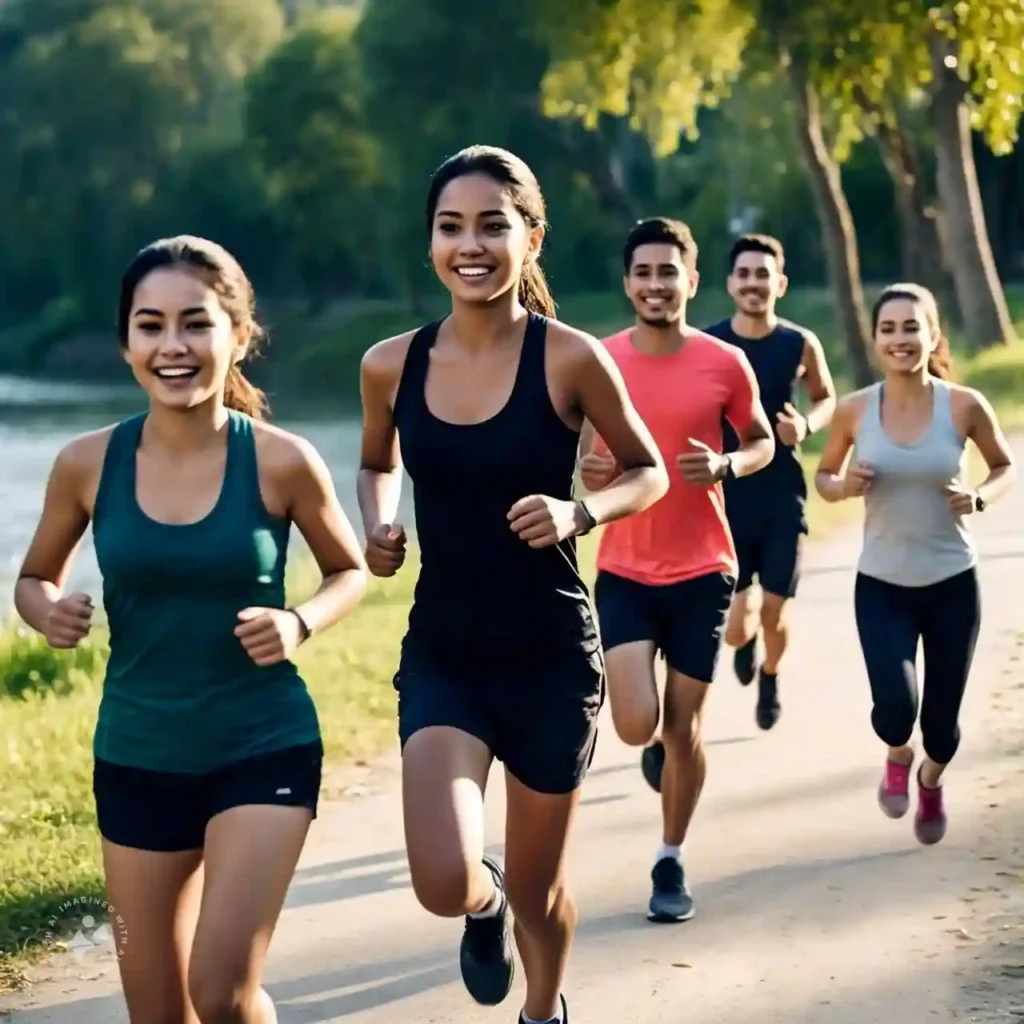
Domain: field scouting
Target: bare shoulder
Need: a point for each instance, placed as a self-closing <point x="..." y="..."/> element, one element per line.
<point x="850" y="408"/>
<point x="382" y="362"/>
<point x="83" y="456"/>
<point x="575" y="349"/>
<point x="285" y="456"/>
<point x="967" y="400"/>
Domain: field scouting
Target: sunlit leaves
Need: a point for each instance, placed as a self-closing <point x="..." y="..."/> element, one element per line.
<point x="661" y="61"/>
<point x="658" y="61"/>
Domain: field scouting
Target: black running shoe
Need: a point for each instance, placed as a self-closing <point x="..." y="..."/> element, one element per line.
<point x="564" y="1018"/>
<point x="768" y="707"/>
<point x="671" y="901"/>
<point x="744" y="662"/>
<point x="485" y="956"/>
<point x="652" y="764"/>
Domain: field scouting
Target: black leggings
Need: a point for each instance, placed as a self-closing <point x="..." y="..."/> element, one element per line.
<point x="944" y="617"/>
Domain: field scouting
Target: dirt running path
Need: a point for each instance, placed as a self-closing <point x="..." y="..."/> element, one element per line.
<point x="812" y="908"/>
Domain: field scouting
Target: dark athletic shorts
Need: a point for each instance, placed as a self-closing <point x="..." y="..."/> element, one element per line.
<point x="169" y="811"/>
<point x="770" y="551"/>
<point x="684" y="620"/>
<point x="539" y="718"/>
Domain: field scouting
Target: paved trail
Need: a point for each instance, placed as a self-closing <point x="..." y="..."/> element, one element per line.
<point x="812" y="908"/>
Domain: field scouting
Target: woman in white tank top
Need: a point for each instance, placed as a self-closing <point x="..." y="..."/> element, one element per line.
<point x="917" y="578"/>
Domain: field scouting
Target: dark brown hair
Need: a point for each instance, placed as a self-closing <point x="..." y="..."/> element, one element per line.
<point x="523" y="190"/>
<point x="222" y="272"/>
<point x="660" y="231"/>
<point x="940" y="361"/>
<point x="757" y="243"/>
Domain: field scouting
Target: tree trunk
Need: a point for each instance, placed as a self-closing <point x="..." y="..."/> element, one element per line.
<point x="921" y="253"/>
<point x="979" y="291"/>
<point x="836" y="226"/>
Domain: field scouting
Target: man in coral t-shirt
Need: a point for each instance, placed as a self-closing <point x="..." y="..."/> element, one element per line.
<point x="666" y="576"/>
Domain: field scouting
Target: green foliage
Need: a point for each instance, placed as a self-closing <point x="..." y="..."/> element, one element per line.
<point x="29" y="666"/>
<point x="302" y="135"/>
<point x="655" y="61"/>
<point x="305" y="121"/>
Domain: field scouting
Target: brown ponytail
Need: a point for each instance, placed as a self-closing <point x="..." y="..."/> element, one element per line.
<point x="534" y="293"/>
<point x="243" y="396"/>
<point x="940" y="362"/>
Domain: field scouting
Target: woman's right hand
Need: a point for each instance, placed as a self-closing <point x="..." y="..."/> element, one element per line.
<point x="69" y="621"/>
<point x="857" y="480"/>
<point x="385" y="549"/>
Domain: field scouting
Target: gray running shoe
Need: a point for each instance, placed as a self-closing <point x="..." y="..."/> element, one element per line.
<point x="671" y="901"/>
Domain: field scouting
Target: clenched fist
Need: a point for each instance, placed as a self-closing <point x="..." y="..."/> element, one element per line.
<point x="69" y="621"/>
<point x="959" y="500"/>
<point x="791" y="425"/>
<point x="542" y="521"/>
<point x="597" y="471"/>
<point x="385" y="549"/>
<point x="703" y="465"/>
<point x="857" y="480"/>
<point x="269" y="635"/>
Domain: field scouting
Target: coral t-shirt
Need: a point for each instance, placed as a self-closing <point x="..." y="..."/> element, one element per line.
<point x="679" y="396"/>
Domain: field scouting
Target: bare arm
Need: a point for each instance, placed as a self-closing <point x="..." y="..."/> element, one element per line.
<point x="747" y="417"/>
<point x="59" y="532"/>
<point x="818" y="385"/>
<point x="830" y="477"/>
<point x="379" y="484"/>
<point x="987" y="435"/>
<point x="607" y="410"/>
<point x="315" y="510"/>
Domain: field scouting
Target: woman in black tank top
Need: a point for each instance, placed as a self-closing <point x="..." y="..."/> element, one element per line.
<point x="502" y="657"/>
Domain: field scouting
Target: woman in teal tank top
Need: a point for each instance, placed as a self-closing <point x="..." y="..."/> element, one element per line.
<point x="207" y="744"/>
<point x="917" y="580"/>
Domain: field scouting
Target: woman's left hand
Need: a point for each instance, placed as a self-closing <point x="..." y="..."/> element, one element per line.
<point x="269" y="635"/>
<point x="960" y="502"/>
<point x="542" y="521"/>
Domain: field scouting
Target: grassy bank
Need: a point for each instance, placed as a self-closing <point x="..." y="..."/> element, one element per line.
<point x="49" y="849"/>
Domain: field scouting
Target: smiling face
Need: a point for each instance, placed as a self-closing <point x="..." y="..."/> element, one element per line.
<point x="181" y="342"/>
<point x="756" y="284"/>
<point x="904" y="338"/>
<point x="479" y="240"/>
<point x="659" y="284"/>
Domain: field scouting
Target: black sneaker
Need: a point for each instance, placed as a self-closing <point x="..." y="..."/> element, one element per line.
<point x="744" y="662"/>
<point x="671" y="901"/>
<point x="485" y="955"/>
<point x="652" y="764"/>
<point x="564" y="1019"/>
<point x="768" y="707"/>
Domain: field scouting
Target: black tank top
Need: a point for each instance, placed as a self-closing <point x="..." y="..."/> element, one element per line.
<point x="483" y="593"/>
<point x="776" y="360"/>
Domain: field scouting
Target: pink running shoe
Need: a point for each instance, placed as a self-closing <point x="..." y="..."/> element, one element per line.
<point x="930" y="821"/>
<point x="894" y="792"/>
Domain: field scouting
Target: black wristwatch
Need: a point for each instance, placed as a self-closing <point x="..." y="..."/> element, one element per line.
<point x="727" y="457"/>
<point x="589" y="522"/>
<point x="305" y="631"/>
<point x="979" y="502"/>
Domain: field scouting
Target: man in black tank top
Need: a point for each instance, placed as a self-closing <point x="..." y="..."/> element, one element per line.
<point x="766" y="509"/>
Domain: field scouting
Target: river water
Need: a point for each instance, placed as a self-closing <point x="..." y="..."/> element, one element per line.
<point x="38" y="418"/>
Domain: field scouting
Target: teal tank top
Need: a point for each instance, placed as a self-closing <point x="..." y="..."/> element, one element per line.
<point x="180" y="693"/>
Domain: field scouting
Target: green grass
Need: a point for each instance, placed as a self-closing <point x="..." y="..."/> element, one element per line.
<point x="49" y="847"/>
